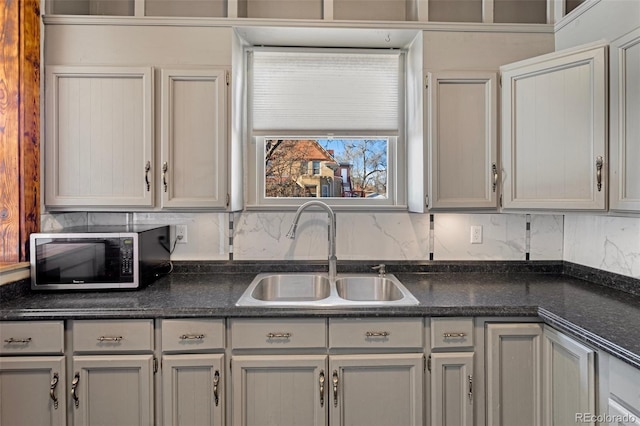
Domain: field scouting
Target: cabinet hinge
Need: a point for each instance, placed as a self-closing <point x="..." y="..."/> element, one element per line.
<point x="500" y="80"/>
<point x="500" y="200"/>
<point x="228" y="77"/>
<point x="426" y="201"/>
<point x="470" y="388"/>
<point x="426" y="81"/>
<point x="429" y="363"/>
<point x="155" y="365"/>
<point x="228" y="199"/>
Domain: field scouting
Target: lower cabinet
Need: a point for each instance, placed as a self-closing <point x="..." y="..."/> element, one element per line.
<point x="380" y="389"/>
<point x="452" y="389"/>
<point x="112" y="390"/>
<point x="568" y="379"/>
<point x="280" y="390"/>
<point x="513" y="358"/>
<point x="40" y="380"/>
<point x="620" y="388"/>
<point x="192" y="389"/>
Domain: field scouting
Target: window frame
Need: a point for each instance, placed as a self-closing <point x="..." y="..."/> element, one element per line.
<point x="396" y="148"/>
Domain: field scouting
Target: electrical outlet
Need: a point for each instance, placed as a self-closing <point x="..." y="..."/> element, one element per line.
<point x="181" y="234"/>
<point x="476" y="234"/>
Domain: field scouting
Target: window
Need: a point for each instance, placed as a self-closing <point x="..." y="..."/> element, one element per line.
<point x="325" y="123"/>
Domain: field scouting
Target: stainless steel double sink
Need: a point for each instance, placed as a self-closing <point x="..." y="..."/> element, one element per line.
<point x="316" y="290"/>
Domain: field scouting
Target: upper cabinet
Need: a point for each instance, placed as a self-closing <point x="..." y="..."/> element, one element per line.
<point x="193" y="148"/>
<point x="624" y="125"/>
<point x="554" y="113"/>
<point x="473" y="11"/>
<point x="99" y="146"/>
<point x="462" y="142"/>
<point x="99" y="136"/>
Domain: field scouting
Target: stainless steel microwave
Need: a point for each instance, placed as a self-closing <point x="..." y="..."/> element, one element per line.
<point x="99" y="257"/>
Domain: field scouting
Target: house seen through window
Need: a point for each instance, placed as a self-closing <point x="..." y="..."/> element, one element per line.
<point x="327" y="168"/>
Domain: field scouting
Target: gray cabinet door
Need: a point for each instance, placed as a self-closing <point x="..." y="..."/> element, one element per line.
<point x="280" y="390"/>
<point x="513" y="374"/>
<point x="99" y="137"/>
<point x="463" y="144"/>
<point x="112" y="390"/>
<point x="452" y="389"/>
<point x="369" y="390"/>
<point x="193" y="390"/>
<point x="624" y="126"/>
<point x="193" y="169"/>
<point x="32" y="391"/>
<point x="554" y="131"/>
<point x="569" y="378"/>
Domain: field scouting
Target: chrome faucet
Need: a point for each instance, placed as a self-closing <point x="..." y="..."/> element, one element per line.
<point x="332" y="232"/>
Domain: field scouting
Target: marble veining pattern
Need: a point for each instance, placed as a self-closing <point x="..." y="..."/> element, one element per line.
<point x="55" y="221"/>
<point x="604" y="242"/>
<point x="546" y="237"/>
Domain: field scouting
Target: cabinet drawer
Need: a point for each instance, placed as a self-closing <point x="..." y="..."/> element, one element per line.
<point x="20" y="337"/>
<point x="103" y="336"/>
<point x="278" y="333"/>
<point x="184" y="335"/>
<point x="375" y="333"/>
<point x="451" y="333"/>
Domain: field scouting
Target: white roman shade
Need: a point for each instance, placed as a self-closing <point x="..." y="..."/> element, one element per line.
<point x="331" y="91"/>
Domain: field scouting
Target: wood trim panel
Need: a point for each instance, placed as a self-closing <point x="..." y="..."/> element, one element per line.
<point x="19" y="127"/>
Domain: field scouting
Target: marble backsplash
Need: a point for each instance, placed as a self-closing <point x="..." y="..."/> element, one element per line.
<point x="360" y="236"/>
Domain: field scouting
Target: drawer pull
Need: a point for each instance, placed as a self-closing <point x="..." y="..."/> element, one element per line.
<point x="52" y="390"/>
<point x="449" y="335"/>
<point x="377" y="333"/>
<point x="109" y="338"/>
<point x="321" y="380"/>
<point x="278" y="335"/>
<point x="192" y="337"/>
<point x="335" y="388"/>
<point x="14" y="340"/>
<point x="74" y="389"/>
<point x="216" y="382"/>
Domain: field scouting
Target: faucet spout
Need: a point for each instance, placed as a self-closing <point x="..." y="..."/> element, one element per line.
<point x="332" y="231"/>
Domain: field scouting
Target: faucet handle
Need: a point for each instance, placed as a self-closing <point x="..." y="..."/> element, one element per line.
<point x="380" y="268"/>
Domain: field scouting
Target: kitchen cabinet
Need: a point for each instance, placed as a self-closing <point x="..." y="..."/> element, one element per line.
<point x="99" y="145"/>
<point x="382" y="389"/>
<point x="372" y="374"/>
<point x="624" y="125"/>
<point x="113" y="372"/>
<point x="554" y="116"/>
<point x="620" y="389"/>
<point x="451" y="366"/>
<point x="194" y="138"/>
<point x="193" y="375"/>
<point x="513" y="376"/>
<point x="99" y="136"/>
<point x="568" y="378"/>
<point x="462" y="140"/>
<point x="32" y="368"/>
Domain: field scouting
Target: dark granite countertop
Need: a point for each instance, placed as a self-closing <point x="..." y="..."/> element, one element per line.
<point x="603" y="317"/>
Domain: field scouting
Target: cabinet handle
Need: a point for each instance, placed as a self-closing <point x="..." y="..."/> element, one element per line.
<point x="216" y="381"/>
<point x="278" y="335"/>
<point x="11" y="340"/>
<point x="335" y="388"/>
<point x="147" y="167"/>
<point x="377" y="334"/>
<point x="599" y="163"/>
<point x="52" y="390"/>
<point x="110" y="338"/>
<point x="449" y="335"/>
<point x="470" y="388"/>
<point x="494" y="171"/>
<point x="321" y="380"/>
<point x="74" y="389"/>
<point x="165" y="168"/>
<point x="192" y="337"/>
